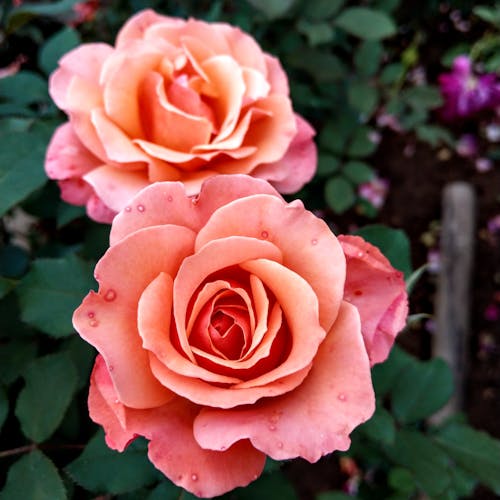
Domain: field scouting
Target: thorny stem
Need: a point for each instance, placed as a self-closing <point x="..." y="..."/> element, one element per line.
<point x="34" y="446"/>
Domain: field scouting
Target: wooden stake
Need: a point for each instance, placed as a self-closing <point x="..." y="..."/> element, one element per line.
<point x="451" y="341"/>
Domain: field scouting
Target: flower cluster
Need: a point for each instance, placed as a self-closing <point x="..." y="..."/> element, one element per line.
<point x="230" y="324"/>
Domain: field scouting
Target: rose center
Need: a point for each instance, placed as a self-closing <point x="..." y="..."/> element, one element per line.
<point x="226" y="335"/>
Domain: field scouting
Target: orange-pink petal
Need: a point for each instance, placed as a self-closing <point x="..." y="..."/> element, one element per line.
<point x="315" y="418"/>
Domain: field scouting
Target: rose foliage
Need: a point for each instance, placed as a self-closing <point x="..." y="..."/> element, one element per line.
<point x="232" y="326"/>
<point x="173" y="100"/>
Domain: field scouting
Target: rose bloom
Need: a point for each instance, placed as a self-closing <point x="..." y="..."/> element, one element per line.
<point x="231" y="326"/>
<point x="173" y="100"/>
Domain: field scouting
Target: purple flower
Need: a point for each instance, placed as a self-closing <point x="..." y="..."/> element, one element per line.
<point x="466" y="93"/>
<point x="374" y="191"/>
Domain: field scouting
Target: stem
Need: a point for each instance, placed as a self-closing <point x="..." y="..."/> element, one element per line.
<point x="17" y="451"/>
<point x="34" y="446"/>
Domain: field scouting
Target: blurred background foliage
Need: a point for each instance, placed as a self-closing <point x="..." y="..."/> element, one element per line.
<point x="353" y="70"/>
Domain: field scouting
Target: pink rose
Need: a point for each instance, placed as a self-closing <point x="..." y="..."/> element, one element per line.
<point x="224" y="335"/>
<point x="174" y="100"/>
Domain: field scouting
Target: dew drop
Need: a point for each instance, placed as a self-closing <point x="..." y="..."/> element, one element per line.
<point x="111" y="368"/>
<point x="128" y="209"/>
<point x="264" y="234"/>
<point x="272" y="427"/>
<point x="194" y="200"/>
<point x="279" y="444"/>
<point x="93" y="323"/>
<point x="358" y="293"/>
<point x="179" y="477"/>
<point x="314" y="241"/>
<point x="169" y="198"/>
<point x="91" y="314"/>
<point x="141" y="208"/>
<point x="342" y="397"/>
<point x="194" y="477"/>
<point x="110" y="295"/>
<point x="117" y="401"/>
<point x="360" y="254"/>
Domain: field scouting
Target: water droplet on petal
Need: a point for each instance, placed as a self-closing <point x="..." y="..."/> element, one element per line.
<point x="93" y="323"/>
<point x="179" y="477"/>
<point x="358" y="293"/>
<point x="360" y="254"/>
<point x="111" y="368"/>
<point x="128" y="209"/>
<point x="314" y="241"/>
<point x="194" y="200"/>
<point x="110" y="295"/>
<point x="91" y="314"/>
<point x="141" y="208"/>
<point x="194" y="477"/>
<point x="264" y="234"/>
<point x="272" y="427"/>
<point x="117" y="401"/>
<point x="169" y="198"/>
<point x="342" y="397"/>
<point x="279" y="444"/>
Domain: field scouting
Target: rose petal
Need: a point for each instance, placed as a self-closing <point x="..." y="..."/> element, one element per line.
<point x="167" y="203"/>
<point x="98" y="211"/>
<point x="298" y="166"/>
<point x="75" y="191"/>
<point x="379" y="293"/>
<point x="108" y="319"/>
<point x="138" y="24"/>
<point x="116" y="187"/>
<point x="67" y="156"/>
<point x="306" y="242"/>
<point x="314" y="419"/>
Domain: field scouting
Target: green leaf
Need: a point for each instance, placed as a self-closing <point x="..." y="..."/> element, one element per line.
<point x="6" y="285"/>
<point x="428" y="464"/>
<point x="358" y="172"/>
<point x="165" y="491"/>
<point x="316" y="33"/>
<point x="83" y="355"/>
<point x="488" y="14"/>
<point x="337" y="131"/>
<point x="51" y="291"/>
<point x="21" y="174"/>
<point x="272" y="9"/>
<point x="422" y="97"/>
<point x="366" y="23"/>
<point x="423" y="388"/>
<point x="363" y="97"/>
<point x="475" y="451"/>
<point x="274" y="485"/>
<point x="322" y="66"/>
<point x="33" y="477"/>
<point x="381" y="427"/>
<point x="319" y="10"/>
<point x="13" y="358"/>
<point x="4" y="406"/>
<point x="50" y="386"/>
<point x="385" y="375"/>
<point x="56" y="46"/>
<point x="392" y="73"/>
<point x="14" y="261"/>
<point x="327" y="164"/>
<point x="24" y="87"/>
<point x="67" y="213"/>
<point x="102" y="470"/>
<point x="393" y="243"/>
<point x="414" y="278"/>
<point x="339" y="194"/>
<point x="434" y="134"/>
<point x="361" y="145"/>
<point x="402" y="480"/>
<point x="367" y="57"/>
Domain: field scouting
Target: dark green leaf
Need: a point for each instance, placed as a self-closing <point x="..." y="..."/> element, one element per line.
<point x="4" y="406"/>
<point x="33" y="477"/>
<point x="102" y="470"/>
<point x="50" y="385"/>
<point x="322" y="66"/>
<point x="366" y="23"/>
<point x="392" y="73"/>
<point x="488" y="14"/>
<point x="434" y="134"/>
<point x="83" y="355"/>
<point x="6" y="285"/>
<point x="67" y="213"/>
<point x="358" y="172"/>
<point x="274" y="485"/>
<point x="385" y="375"/>
<point x="327" y="164"/>
<point x="423" y="388"/>
<point x="339" y="194"/>
<point x="52" y="290"/>
<point x="380" y="427"/>
<point x="367" y="57"/>
<point x="165" y="491"/>
<point x="316" y="33"/>
<point x="363" y="97"/>
<point x="401" y="479"/>
<point x="56" y="46"/>
<point x="428" y="464"/>
<point x="361" y="145"/>
<point x="456" y="50"/>
<point x="422" y="96"/>
<point x="393" y="243"/>
<point x="24" y="87"/>
<point x="321" y="9"/>
<point x="475" y="451"/>
<point x="272" y="9"/>
<point x="336" y="132"/>
<point x="13" y="358"/>
<point x="14" y="261"/>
